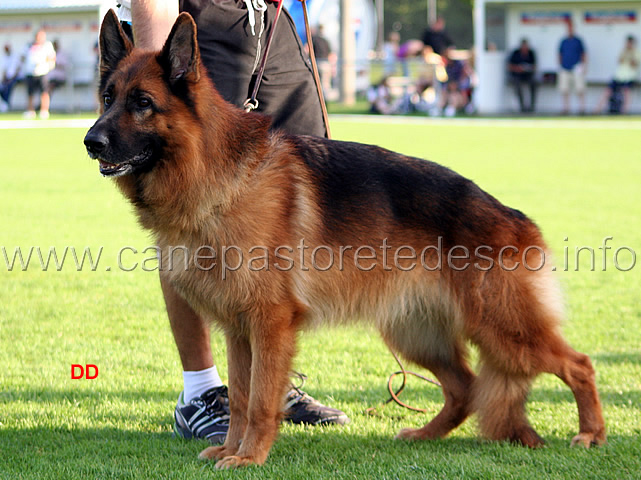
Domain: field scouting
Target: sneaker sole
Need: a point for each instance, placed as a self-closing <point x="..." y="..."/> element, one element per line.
<point x="336" y="420"/>
<point x="216" y="439"/>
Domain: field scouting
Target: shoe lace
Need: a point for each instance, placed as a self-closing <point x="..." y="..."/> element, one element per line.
<point x="216" y="403"/>
<point x="296" y="395"/>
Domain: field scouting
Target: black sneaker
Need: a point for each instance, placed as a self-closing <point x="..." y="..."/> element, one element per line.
<point x="205" y="417"/>
<point x="300" y="408"/>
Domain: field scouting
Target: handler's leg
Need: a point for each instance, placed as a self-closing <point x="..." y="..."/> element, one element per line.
<point x="203" y="406"/>
<point x="190" y="332"/>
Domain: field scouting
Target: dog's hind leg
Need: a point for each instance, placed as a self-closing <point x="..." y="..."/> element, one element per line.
<point x="456" y="378"/>
<point x="519" y="339"/>
<point x="576" y="370"/>
<point x="500" y="395"/>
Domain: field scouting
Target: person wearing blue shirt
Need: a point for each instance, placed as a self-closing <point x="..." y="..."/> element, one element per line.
<point x="572" y="58"/>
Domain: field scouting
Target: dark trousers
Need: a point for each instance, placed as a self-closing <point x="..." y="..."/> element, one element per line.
<point x="228" y="49"/>
<point x="6" y="88"/>
<point x="521" y="84"/>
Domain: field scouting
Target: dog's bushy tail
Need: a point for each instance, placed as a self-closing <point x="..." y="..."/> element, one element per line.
<point x="499" y="399"/>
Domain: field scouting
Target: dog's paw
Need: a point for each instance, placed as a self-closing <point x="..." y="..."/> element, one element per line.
<point x="527" y="437"/>
<point x="410" y="434"/>
<point x="587" y="439"/>
<point x="234" y="461"/>
<point x="216" y="453"/>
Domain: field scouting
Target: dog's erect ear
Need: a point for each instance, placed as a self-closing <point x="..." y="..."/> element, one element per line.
<point x="180" y="56"/>
<point x="114" y="43"/>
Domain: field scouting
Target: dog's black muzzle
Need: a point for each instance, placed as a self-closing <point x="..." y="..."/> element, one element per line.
<point x="96" y="142"/>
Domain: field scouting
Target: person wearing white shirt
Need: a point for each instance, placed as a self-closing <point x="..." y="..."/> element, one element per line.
<point x="40" y="59"/>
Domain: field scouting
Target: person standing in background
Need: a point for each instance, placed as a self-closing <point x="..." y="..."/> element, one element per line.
<point x="437" y="38"/>
<point x="40" y="59"/>
<point x="58" y="76"/>
<point x="573" y="59"/>
<point x="390" y="51"/>
<point x="325" y="59"/>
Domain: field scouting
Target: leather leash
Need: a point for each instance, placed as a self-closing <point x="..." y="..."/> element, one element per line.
<point x="252" y="102"/>
<point x="312" y="57"/>
<point x="394" y="395"/>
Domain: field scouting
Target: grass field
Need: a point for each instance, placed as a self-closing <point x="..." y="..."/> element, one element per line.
<point x="579" y="180"/>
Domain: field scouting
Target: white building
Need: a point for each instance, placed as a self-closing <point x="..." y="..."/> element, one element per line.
<point x="75" y="24"/>
<point x="501" y="24"/>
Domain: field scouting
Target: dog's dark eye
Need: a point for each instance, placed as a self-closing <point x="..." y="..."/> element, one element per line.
<point x="144" y="102"/>
<point x="106" y="98"/>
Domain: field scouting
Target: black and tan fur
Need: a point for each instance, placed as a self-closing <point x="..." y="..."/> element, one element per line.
<point x="202" y="172"/>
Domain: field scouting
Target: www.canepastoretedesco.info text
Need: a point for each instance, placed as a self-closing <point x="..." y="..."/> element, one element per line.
<point x="322" y="258"/>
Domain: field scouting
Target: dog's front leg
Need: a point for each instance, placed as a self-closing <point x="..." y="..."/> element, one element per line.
<point x="273" y="343"/>
<point x="239" y="359"/>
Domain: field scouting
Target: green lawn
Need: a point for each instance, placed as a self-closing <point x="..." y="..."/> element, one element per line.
<point x="577" y="179"/>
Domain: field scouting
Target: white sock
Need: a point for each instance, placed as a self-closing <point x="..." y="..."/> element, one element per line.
<point x="197" y="383"/>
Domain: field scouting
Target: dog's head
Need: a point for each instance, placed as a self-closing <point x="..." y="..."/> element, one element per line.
<point x="140" y="93"/>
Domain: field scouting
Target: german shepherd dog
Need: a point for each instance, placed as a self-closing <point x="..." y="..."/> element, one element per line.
<point x="279" y="232"/>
